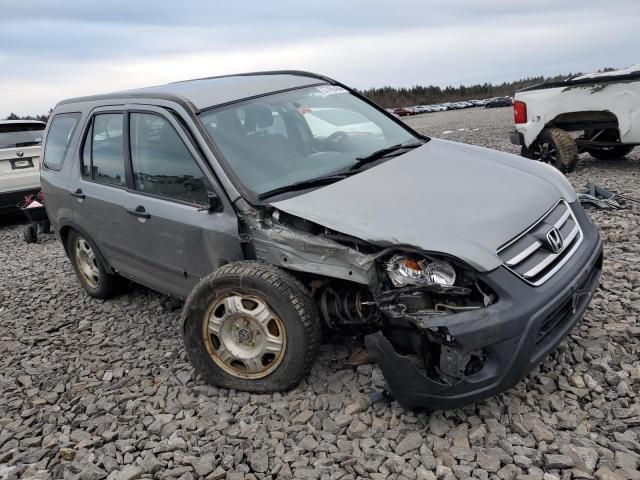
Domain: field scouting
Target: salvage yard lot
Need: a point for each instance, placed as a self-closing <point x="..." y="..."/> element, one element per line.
<point x="89" y="388"/>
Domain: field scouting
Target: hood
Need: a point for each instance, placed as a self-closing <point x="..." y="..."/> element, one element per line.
<point x="447" y="197"/>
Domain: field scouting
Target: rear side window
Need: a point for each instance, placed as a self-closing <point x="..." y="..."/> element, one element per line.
<point x="162" y="164"/>
<point x="58" y="139"/>
<point x="103" y="153"/>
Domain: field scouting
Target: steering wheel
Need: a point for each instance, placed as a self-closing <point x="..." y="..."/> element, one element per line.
<point x="336" y="138"/>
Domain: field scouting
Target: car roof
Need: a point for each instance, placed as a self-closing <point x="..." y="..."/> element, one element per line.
<point x="13" y="122"/>
<point x="203" y="93"/>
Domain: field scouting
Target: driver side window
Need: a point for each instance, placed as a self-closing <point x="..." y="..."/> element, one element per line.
<point x="162" y="164"/>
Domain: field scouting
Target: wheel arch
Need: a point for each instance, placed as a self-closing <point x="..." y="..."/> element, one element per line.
<point x="67" y="227"/>
<point x="569" y="121"/>
<point x="584" y="120"/>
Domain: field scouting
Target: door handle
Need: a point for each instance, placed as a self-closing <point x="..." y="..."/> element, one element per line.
<point x="139" y="212"/>
<point x="78" y="194"/>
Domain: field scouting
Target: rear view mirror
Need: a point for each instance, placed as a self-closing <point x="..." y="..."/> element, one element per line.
<point x="215" y="205"/>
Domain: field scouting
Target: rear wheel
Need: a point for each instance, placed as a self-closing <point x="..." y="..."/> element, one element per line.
<point x="93" y="276"/>
<point x="610" y="153"/>
<point x="251" y="326"/>
<point x="555" y="147"/>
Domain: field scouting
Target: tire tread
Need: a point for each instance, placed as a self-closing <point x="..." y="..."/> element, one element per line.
<point x="566" y="147"/>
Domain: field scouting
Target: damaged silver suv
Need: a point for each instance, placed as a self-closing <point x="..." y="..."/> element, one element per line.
<point x="278" y="204"/>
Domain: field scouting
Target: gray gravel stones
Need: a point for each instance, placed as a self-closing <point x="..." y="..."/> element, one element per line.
<point x="412" y="441"/>
<point x="94" y="390"/>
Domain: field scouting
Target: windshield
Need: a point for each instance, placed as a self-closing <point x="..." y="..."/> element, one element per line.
<point x="290" y="137"/>
<point x="13" y="135"/>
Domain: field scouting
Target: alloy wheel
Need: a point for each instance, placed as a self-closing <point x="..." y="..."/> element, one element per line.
<point x="87" y="263"/>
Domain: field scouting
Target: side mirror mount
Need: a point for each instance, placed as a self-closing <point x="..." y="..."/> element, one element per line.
<point x="214" y="202"/>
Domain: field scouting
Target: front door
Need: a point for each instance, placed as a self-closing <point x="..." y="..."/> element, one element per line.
<point x="175" y="240"/>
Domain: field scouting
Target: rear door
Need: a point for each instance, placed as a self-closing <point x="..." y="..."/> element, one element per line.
<point x="100" y="190"/>
<point x="174" y="239"/>
<point x="57" y="162"/>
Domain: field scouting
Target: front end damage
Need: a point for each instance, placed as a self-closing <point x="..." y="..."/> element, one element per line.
<point x="438" y="345"/>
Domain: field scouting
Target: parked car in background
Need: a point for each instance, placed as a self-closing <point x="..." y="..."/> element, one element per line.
<point x="325" y="122"/>
<point x="20" y="144"/>
<point x="499" y="102"/>
<point x="598" y="113"/>
<point x="401" y="112"/>
<point x="216" y="191"/>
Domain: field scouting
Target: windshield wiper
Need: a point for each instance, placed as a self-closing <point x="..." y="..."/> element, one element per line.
<point x="312" y="182"/>
<point x="383" y="152"/>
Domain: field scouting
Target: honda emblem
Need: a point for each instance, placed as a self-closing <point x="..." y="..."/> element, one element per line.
<point x="554" y="240"/>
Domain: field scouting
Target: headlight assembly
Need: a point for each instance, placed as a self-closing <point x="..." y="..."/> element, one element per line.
<point x="404" y="270"/>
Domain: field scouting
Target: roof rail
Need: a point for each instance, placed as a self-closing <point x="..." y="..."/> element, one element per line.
<point x="300" y="73"/>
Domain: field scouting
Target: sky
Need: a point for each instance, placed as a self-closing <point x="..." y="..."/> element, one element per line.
<point x="52" y="50"/>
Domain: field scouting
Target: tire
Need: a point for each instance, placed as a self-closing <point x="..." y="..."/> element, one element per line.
<point x="555" y="147"/>
<point x="610" y="153"/>
<point x="89" y="268"/>
<point x="211" y="317"/>
<point x="30" y="233"/>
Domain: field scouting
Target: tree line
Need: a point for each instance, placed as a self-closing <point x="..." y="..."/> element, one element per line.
<point x="389" y="97"/>
<point x="42" y="117"/>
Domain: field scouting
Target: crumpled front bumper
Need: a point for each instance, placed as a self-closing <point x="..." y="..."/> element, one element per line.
<point x="515" y="333"/>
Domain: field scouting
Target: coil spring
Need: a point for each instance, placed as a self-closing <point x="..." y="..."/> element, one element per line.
<point x="348" y="307"/>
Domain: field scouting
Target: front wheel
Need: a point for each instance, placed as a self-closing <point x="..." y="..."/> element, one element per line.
<point x="251" y="326"/>
<point x="555" y="147"/>
<point x="610" y="153"/>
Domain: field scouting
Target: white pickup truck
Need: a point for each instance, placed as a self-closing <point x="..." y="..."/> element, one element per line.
<point x="598" y="113"/>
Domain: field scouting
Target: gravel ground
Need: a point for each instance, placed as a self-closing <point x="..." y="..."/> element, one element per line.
<point x="93" y="389"/>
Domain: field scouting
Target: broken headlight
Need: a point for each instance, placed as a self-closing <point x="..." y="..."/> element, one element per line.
<point x="404" y="270"/>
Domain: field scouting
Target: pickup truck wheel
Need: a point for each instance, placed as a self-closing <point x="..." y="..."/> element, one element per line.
<point x="610" y="153"/>
<point x="555" y="147"/>
<point x="251" y="326"/>
<point x="93" y="277"/>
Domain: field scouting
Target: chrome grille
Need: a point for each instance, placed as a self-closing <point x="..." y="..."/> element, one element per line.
<point x="531" y="255"/>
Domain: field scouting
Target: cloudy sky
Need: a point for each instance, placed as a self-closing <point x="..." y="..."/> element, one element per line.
<point x="50" y="50"/>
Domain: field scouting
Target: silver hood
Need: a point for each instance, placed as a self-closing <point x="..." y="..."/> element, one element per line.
<point x="446" y="197"/>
